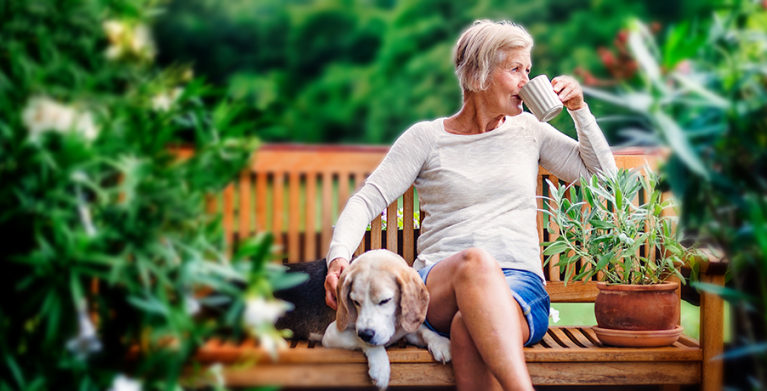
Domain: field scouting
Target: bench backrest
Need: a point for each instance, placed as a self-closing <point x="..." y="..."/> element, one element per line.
<point x="297" y="191"/>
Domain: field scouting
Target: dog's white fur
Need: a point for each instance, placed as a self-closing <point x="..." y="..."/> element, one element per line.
<point x="382" y="299"/>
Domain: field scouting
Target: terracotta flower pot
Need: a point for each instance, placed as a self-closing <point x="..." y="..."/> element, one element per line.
<point x="648" y="310"/>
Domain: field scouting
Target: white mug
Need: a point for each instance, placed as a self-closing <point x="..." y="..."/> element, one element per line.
<point x="539" y="97"/>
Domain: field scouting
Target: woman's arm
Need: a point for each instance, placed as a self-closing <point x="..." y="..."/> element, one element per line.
<point x="389" y="180"/>
<point x="569" y="159"/>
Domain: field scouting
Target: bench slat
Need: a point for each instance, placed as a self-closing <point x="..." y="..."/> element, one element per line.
<point x="327" y="211"/>
<point x="228" y="217"/>
<point x="261" y="201"/>
<point x="553" y="268"/>
<point x="549" y="341"/>
<point x="409" y="374"/>
<point x="294" y="215"/>
<point x="343" y="190"/>
<point x="613" y="373"/>
<point x="217" y="350"/>
<point x="310" y="242"/>
<point x="408" y="239"/>
<point x="573" y="292"/>
<point x="361" y="247"/>
<point x="278" y="194"/>
<point x="244" y="205"/>
<point x="563" y="338"/>
<point x="391" y="227"/>
<point x="336" y="375"/>
<point x="375" y="233"/>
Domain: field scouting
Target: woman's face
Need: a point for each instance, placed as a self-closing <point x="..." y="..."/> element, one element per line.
<point x="506" y="80"/>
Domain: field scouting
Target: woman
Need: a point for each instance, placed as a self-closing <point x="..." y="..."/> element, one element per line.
<point x="475" y="172"/>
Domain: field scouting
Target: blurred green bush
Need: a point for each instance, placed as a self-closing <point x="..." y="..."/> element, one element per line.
<point x="322" y="71"/>
<point x="112" y="271"/>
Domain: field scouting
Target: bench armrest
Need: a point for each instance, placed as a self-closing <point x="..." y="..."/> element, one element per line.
<point x="709" y="261"/>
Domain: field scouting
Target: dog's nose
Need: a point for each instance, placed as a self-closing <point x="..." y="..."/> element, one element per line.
<point x="366" y="334"/>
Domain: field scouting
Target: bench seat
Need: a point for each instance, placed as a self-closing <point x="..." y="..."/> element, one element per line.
<point x="571" y="349"/>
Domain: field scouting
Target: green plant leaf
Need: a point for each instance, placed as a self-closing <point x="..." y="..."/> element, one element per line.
<point x="727" y="293"/>
<point x="555" y="248"/>
<point x="149" y="304"/>
<point x="679" y="143"/>
<point x="641" y="44"/>
<point x="287" y="280"/>
<point x="18" y="376"/>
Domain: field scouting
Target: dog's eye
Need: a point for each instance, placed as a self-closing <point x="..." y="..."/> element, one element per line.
<point x="356" y="304"/>
<point x="384" y="301"/>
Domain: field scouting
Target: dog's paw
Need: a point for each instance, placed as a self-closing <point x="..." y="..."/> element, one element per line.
<point x="440" y="349"/>
<point x="378" y="366"/>
<point x="379" y="374"/>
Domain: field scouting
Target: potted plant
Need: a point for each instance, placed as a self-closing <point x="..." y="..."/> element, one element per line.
<point x="617" y="229"/>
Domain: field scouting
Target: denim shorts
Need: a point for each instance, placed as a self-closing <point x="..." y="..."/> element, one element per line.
<point x="527" y="288"/>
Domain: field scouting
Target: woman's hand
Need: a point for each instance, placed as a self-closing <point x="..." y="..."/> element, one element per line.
<point x="569" y="91"/>
<point x="335" y="268"/>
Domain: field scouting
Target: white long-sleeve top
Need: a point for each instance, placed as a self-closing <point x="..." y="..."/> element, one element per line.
<point x="475" y="190"/>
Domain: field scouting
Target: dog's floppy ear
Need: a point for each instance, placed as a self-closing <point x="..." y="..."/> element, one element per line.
<point x="346" y="312"/>
<point x="413" y="300"/>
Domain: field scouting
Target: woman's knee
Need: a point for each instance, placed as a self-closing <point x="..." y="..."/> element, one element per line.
<point x="477" y="261"/>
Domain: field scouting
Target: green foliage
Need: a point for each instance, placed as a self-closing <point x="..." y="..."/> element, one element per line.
<point x="363" y="71"/>
<point x="704" y="92"/>
<point x="598" y="226"/>
<point x="110" y="264"/>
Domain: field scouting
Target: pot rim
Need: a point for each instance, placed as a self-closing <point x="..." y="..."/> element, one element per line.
<point x="663" y="286"/>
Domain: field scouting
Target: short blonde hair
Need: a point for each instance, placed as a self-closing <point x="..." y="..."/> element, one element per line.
<point x="480" y="49"/>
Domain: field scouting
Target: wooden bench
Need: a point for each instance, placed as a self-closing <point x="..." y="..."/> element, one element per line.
<point x="296" y="192"/>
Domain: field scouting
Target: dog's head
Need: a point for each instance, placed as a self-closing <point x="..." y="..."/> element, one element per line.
<point x="379" y="294"/>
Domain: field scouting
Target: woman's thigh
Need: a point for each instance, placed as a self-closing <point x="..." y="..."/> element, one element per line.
<point x="441" y="285"/>
<point x="442" y="302"/>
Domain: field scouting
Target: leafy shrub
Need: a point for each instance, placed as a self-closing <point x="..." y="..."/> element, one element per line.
<point x="110" y="264"/>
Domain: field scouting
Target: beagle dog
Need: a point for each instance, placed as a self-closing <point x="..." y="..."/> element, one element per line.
<point x="381" y="299"/>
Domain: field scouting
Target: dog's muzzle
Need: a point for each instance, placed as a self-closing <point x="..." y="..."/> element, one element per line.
<point x="366" y="335"/>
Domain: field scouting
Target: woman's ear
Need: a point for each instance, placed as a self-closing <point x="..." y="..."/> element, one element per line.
<point x="346" y="312"/>
<point x="413" y="301"/>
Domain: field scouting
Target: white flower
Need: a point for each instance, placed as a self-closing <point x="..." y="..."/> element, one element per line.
<point x="259" y="311"/>
<point x="625" y="239"/>
<point x="163" y="101"/>
<point x="141" y="42"/>
<point x="554" y="315"/>
<point x="272" y="344"/>
<point x="114" y="30"/>
<point x="86" y="341"/>
<point x="114" y="52"/>
<point x="124" y="383"/>
<point x="191" y="304"/>
<point x="126" y="39"/>
<point x="86" y="127"/>
<point x="217" y="370"/>
<point x="259" y="315"/>
<point x="43" y="114"/>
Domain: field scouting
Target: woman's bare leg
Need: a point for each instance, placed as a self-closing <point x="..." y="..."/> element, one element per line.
<point x="472" y="282"/>
<point x="471" y="373"/>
